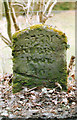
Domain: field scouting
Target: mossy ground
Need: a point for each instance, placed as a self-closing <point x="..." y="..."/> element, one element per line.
<point x="39" y="57"/>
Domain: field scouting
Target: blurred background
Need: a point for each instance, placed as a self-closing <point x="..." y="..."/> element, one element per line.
<point x="63" y="18"/>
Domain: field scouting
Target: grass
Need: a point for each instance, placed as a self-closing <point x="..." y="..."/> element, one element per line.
<point x="64" y="6"/>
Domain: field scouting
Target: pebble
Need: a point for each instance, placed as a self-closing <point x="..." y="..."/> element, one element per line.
<point x="16" y="113"/>
<point x="44" y="90"/>
<point x="48" y="115"/>
<point x="60" y="110"/>
<point x="7" y="108"/>
<point x="33" y="111"/>
<point x="65" y="100"/>
<point x="19" y="109"/>
<point x="5" y="113"/>
<point x="25" y="89"/>
<point x="68" y="106"/>
<point x="50" y="91"/>
<point x="11" y="115"/>
<point x="73" y="103"/>
<point x="21" y="102"/>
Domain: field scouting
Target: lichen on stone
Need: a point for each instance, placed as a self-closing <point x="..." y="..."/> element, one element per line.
<point x="39" y="57"/>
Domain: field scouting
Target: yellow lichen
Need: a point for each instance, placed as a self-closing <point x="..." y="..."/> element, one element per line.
<point x="15" y="34"/>
<point x="38" y="26"/>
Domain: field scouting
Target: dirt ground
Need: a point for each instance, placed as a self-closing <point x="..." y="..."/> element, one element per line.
<point x="63" y="20"/>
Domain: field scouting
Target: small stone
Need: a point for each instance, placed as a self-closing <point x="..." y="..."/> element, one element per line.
<point x="16" y="113"/>
<point x="21" y="97"/>
<point x="48" y="95"/>
<point x="68" y="106"/>
<point x="64" y="93"/>
<point x="33" y="111"/>
<point x="21" y="102"/>
<point x="12" y="96"/>
<point x="55" y="102"/>
<point x="44" y="90"/>
<point x="48" y="115"/>
<point x="53" y="111"/>
<point x="33" y="97"/>
<point x="28" y="105"/>
<point x="51" y="91"/>
<point x="25" y="89"/>
<point x="5" y="113"/>
<point x="72" y="93"/>
<point x="11" y="115"/>
<point x="19" y="109"/>
<point x="60" y="110"/>
<point x="64" y="100"/>
<point x="73" y="103"/>
<point x="8" y="108"/>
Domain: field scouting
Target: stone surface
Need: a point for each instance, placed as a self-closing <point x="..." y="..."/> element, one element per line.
<point x="39" y="57"/>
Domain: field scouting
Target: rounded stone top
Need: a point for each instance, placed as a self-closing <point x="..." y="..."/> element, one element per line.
<point x="40" y="26"/>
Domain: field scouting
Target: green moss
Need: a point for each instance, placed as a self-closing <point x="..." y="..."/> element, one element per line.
<point x="64" y="6"/>
<point x="38" y="26"/>
<point x="39" y="57"/>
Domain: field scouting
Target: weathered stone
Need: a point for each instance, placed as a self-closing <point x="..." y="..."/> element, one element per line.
<point x="39" y="57"/>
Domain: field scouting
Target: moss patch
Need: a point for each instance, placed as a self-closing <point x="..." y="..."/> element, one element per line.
<point x="39" y="57"/>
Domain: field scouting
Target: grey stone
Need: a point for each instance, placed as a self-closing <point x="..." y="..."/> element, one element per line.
<point x="39" y="58"/>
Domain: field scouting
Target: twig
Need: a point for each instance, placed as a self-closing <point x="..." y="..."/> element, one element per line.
<point x="70" y="64"/>
<point x="13" y="16"/>
<point x="38" y="20"/>
<point x="0" y="9"/>
<point x="28" y="6"/>
<point x="50" y="10"/>
<point x="8" y="19"/>
<point x="46" y="6"/>
<point x="45" y="17"/>
<point x="9" y="43"/>
<point x="4" y="38"/>
<point x="24" y="7"/>
<point x="28" y="9"/>
<point x="32" y="89"/>
<point x="43" y="4"/>
<point x="19" y="4"/>
<point x="28" y="92"/>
